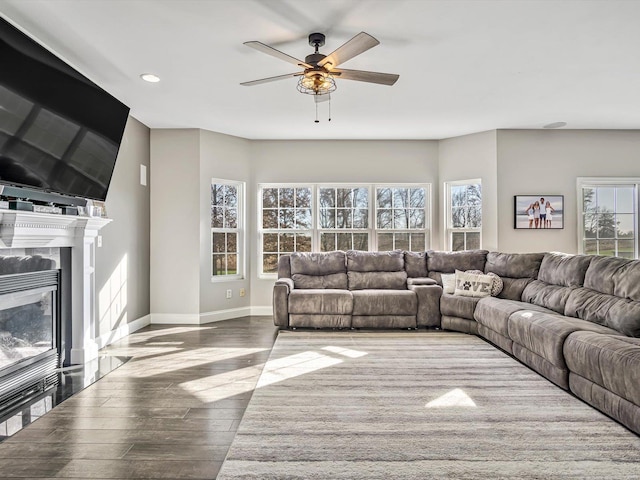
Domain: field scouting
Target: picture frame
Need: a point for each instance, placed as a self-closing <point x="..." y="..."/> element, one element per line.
<point x="527" y="214"/>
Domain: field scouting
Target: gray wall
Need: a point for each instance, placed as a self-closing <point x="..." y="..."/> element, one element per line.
<point x="470" y="157"/>
<point x="223" y="157"/>
<point x="533" y="162"/>
<point x="175" y="222"/>
<point x="122" y="263"/>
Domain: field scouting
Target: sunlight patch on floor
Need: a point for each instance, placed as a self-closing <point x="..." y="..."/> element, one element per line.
<point x="345" y="351"/>
<point x="454" y="398"/>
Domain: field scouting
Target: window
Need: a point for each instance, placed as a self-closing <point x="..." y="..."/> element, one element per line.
<point x="401" y="218"/>
<point x="464" y="215"/>
<point x="226" y="229"/>
<point x="286" y="223"/>
<point x="343" y="218"/>
<point x="608" y="216"/>
<point x="321" y="218"/>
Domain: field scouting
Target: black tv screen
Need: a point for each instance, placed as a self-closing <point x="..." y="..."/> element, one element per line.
<point x="59" y="132"/>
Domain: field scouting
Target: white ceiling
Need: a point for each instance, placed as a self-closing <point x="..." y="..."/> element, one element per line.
<point x="465" y="66"/>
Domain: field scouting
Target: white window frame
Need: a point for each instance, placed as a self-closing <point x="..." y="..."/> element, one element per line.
<point x="449" y="230"/>
<point x="595" y="182"/>
<point x="427" y="213"/>
<point x="320" y="230"/>
<point x="262" y="231"/>
<point x="316" y="230"/>
<point x="239" y="231"/>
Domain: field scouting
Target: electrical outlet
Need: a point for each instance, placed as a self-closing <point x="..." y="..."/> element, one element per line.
<point x="99" y="240"/>
<point x="242" y="292"/>
<point x="229" y="293"/>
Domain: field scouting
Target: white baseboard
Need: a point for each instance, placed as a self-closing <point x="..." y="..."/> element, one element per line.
<point x="228" y="314"/>
<point x="262" y="311"/>
<point x="175" y="318"/>
<point x="209" y="317"/>
<point x="122" y="331"/>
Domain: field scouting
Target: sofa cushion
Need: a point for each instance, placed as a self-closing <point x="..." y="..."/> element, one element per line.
<point x="512" y="288"/>
<point x="600" y="275"/>
<point x="449" y="262"/>
<point x="564" y="269"/>
<point x="325" y="263"/>
<point x="514" y="265"/>
<point x="334" y="280"/>
<point x="544" y="334"/>
<point x="613" y="362"/>
<point x="377" y="280"/>
<point x="384" y="302"/>
<point x="494" y="313"/>
<point x="321" y="302"/>
<point x="458" y="306"/>
<point x="358" y="261"/>
<point x="415" y="264"/>
<point x="472" y="284"/>
<point x="553" y="297"/>
<point x="621" y="314"/>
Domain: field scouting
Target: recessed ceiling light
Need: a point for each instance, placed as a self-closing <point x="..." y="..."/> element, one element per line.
<point x="555" y="125"/>
<point x="150" y="77"/>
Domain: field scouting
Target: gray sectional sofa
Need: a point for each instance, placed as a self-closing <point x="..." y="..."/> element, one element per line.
<point x="575" y="319"/>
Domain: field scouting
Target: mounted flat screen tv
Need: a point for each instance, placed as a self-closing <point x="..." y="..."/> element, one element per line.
<point x="59" y="132"/>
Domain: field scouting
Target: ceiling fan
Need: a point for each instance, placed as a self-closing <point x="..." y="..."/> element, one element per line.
<point x="320" y="71"/>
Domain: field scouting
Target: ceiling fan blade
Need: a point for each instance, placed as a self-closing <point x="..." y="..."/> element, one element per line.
<point x="364" y="76"/>
<point x="357" y="45"/>
<point x="271" y="79"/>
<point x="261" y="47"/>
<point x="322" y="98"/>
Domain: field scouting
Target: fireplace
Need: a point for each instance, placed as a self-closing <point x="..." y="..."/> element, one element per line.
<point x="60" y="300"/>
<point x="29" y="329"/>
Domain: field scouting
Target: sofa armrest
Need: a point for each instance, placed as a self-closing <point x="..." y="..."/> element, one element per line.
<point x="428" y="304"/>
<point x="420" y="281"/>
<point x="281" y="290"/>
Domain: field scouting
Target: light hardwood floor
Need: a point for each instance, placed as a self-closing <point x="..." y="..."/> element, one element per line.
<point x="171" y="412"/>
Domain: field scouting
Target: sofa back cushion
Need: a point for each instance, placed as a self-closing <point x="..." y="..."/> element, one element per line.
<point x="325" y="263"/>
<point x="359" y="261"/>
<point x="415" y="264"/>
<point x="564" y="269"/>
<point x="318" y="270"/>
<point x="333" y="280"/>
<point x="621" y="314"/>
<point x="376" y="270"/>
<point x="377" y="280"/>
<point x="449" y="262"/>
<point x="553" y="297"/>
<point x="516" y="270"/>
<point x="514" y="265"/>
<point x="611" y="295"/>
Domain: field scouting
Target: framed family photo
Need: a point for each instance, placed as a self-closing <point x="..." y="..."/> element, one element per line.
<point x="538" y="212"/>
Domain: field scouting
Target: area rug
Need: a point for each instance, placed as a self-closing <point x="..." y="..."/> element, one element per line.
<point x="429" y="405"/>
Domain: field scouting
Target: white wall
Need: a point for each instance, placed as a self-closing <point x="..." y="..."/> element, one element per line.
<point x="122" y="263"/>
<point x="470" y="157"/>
<point x="175" y="223"/>
<point x="337" y="162"/>
<point x="532" y="162"/>
<point x="223" y="157"/>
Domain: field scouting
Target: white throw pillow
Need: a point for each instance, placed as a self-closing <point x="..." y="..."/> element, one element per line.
<point x="448" y="282"/>
<point x="473" y="284"/>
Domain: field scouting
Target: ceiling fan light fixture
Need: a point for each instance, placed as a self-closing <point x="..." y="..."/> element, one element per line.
<point x="316" y="83"/>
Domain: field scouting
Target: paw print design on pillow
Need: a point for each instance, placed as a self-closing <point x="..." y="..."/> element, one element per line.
<point x="466" y="285"/>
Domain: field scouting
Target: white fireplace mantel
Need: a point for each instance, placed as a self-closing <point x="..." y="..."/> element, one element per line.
<point x="20" y="229"/>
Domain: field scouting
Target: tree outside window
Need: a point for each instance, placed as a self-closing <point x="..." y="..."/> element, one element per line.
<point x="464" y="215"/>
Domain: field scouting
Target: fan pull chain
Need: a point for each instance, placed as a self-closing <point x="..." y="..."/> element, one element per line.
<point x="317" y="121"/>
<point x="329" y="107"/>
